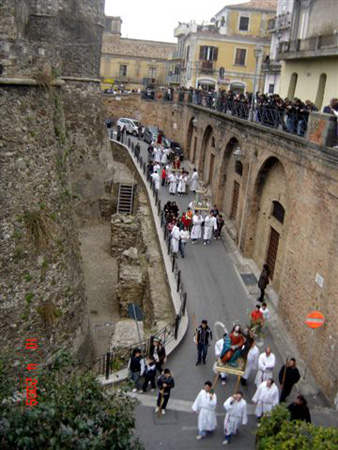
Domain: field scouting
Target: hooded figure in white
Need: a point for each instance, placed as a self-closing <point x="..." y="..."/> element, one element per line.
<point x="196" y="231"/>
<point x="205" y="405"/>
<point x="266" y="397"/>
<point x="236" y="415"/>
<point x="156" y="180"/>
<point x="175" y="239"/>
<point x="251" y="362"/>
<point x="266" y="364"/>
<point x="210" y="224"/>
<point x="193" y="181"/>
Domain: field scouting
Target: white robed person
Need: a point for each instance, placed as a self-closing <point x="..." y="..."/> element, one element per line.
<point x="196" y="231"/>
<point x="157" y="154"/>
<point x="266" y="364"/>
<point x="218" y="351"/>
<point x="175" y="239"/>
<point x="266" y="397"/>
<point x="236" y="415"/>
<point x="210" y="225"/>
<point x="205" y="406"/>
<point x="193" y="181"/>
<point x="172" y="183"/>
<point x="156" y="180"/>
<point x="251" y="363"/>
<point x="182" y="180"/>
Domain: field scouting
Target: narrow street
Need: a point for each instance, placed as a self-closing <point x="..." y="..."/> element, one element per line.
<point x="216" y="293"/>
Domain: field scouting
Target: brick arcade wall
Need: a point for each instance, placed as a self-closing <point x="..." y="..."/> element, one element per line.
<point x="300" y="175"/>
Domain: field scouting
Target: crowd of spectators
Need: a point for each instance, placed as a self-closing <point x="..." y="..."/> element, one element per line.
<point x="268" y="109"/>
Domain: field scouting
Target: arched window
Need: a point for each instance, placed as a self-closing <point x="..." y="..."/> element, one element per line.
<point x="293" y="84"/>
<point x="320" y="91"/>
<point x="278" y="211"/>
<point x="239" y="168"/>
<point x="213" y="142"/>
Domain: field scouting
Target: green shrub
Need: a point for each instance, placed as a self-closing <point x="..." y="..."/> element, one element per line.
<point x="277" y="432"/>
<point x="73" y="412"/>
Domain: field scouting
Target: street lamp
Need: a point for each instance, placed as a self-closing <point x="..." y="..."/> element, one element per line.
<point x="194" y="122"/>
<point x="258" y="53"/>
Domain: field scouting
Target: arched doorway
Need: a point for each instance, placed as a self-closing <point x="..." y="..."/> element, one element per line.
<point x="206" y="144"/>
<point x="321" y="91"/>
<point x="292" y="86"/>
<point x="267" y="222"/>
<point x="227" y="177"/>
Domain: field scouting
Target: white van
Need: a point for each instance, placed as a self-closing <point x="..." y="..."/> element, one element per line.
<point x="130" y="124"/>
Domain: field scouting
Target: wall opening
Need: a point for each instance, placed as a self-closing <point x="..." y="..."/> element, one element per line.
<point x="292" y="86"/>
<point x="321" y="91"/>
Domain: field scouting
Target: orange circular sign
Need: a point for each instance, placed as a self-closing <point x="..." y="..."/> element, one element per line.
<point x="315" y="319"/>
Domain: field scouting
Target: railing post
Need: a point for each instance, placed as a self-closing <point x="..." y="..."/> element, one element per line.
<point x="178" y="280"/>
<point x="177" y="324"/>
<point x="184" y="304"/>
<point x="107" y="365"/>
<point x="173" y="263"/>
<point x="168" y="244"/>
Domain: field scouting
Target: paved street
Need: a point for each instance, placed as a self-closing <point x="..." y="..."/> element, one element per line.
<point x="216" y="293"/>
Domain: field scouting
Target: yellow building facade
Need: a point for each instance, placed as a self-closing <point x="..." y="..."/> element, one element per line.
<point x="132" y="63"/>
<point x="221" y="54"/>
<point x="310" y="56"/>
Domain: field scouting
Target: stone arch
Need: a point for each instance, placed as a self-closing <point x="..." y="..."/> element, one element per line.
<point x="265" y="234"/>
<point x="224" y="181"/>
<point x="206" y="143"/>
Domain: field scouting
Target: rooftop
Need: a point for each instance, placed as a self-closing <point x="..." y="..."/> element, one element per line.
<point x="261" y="5"/>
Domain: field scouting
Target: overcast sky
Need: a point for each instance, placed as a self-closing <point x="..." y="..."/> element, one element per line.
<point x="156" y="20"/>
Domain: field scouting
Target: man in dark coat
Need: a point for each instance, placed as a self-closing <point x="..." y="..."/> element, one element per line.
<point x="299" y="410"/>
<point x="288" y="377"/>
<point x="203" y="336"/>
<point x="263" y="281"/>
<point x="165" y="383"/>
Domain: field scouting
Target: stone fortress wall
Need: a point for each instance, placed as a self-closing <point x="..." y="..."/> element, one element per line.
<point x="302" y="176"/>
<point x="54" y="158"/>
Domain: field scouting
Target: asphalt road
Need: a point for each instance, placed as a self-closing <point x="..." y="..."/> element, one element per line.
<point x="216" y="293"/>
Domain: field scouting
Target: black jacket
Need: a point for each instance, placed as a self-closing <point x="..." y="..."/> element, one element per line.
<point x="208" y="336"/>
<point x="299" y="412"/>
<point x="170" y="382"/>
<point x="292" y="376"/>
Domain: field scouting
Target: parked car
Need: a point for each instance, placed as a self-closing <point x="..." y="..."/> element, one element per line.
<point x="150" y="134"/>
<point x="132" y="125"/>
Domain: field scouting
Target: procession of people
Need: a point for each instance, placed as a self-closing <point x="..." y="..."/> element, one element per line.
<point x="201" y="224"/>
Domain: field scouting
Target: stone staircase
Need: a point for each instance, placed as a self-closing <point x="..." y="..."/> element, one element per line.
<point x="125" y="198"/>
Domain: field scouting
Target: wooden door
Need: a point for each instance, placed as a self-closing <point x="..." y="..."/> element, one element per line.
<point x="272" y="250"/>
<point x="235" y="197"/>
<point x="211" y="168"/>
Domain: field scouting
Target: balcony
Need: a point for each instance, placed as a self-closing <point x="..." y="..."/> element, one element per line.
<point x="271" y="66"/>
<point x="175" y="55"/>
<point x="315" y="46"/>
<point x="173" y="78"/>
<point x="281" y="22"/>
<point x="207" y="66"/>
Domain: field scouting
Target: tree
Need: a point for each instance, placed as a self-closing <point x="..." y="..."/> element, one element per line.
<point x="73" y="412"/>
<point x="277" y="432"/>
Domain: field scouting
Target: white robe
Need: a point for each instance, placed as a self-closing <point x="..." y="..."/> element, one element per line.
<point x="236" y="415"/>
<point x="175" y="239"/>
<point x="265" y="398"/>
<point x="265" y="368"/>
<point x="218" y="350"/>
<point x="205" y="406"/>
<point x="251" y="361"/>
<point x="266" y="313"/>
<point x="164" y="158"/>
<point x="193" y="181"/>
<point x="182" y="184"/>
<point x="210" y="223"/>
<point x="156" y="179"/>
<point x="196" y="231"/>
<point x="173" y="183"/>
<point x="157" y="154"/>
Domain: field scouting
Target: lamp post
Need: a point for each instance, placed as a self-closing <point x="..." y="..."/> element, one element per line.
<point x="258" y="52"/>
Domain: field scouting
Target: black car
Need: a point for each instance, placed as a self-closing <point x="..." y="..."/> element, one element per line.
<point x="150" y="134"/>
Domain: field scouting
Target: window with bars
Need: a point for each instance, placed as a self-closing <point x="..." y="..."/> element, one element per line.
<point x="123" y="70"/>
<point x="208" y="53"/>
<point x="240" y="57"/>
<point x="239" y="168"/>
<point x="278" y="211"/>
<point x="243" y="23"/>
<point x="152" y="72"/>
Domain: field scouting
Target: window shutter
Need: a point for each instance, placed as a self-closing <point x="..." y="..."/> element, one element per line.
<point x="215" y="53"/>
<point x="201" y="51"/>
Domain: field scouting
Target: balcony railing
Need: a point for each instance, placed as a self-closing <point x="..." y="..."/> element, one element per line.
<point x="271" y="66"/>
<point x="280" y="22"/>
<point x="173" y="78"/>
<point x="207" y="66"/>
<point x="321" y="42"/>
<point x="175" y="55"/>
